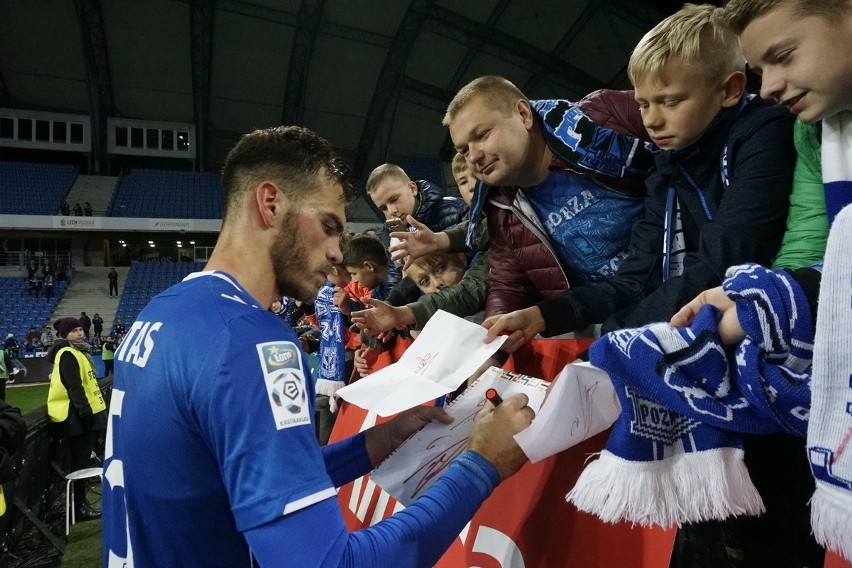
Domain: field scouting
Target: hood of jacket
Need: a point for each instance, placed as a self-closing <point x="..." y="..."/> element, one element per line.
<point x="54" y="349"/>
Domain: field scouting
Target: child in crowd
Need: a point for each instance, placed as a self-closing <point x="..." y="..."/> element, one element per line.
<point x="399" y="197"/>
<point x="717" y="197"/>
<point x="432" y="273"/>
<point x="439" y="271"/>
<point x="366" y="261"/>
<point x="792" y="44"/>
<point x="464" y="299"/>
<point x="435" y="271"/>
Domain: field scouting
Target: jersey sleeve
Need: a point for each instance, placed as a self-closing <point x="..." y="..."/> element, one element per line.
<point x="257" y="418"/>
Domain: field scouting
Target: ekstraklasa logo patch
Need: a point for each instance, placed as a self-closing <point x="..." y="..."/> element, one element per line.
<point x="284" y="376"/>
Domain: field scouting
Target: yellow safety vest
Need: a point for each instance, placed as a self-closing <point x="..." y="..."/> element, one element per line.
<point x="57" y="395"/>
<point x="2" y="502"/>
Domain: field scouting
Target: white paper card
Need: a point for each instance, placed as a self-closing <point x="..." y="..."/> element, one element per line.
<point x="421" y="459"/>
<point x="581" y="403"/>
<point x="444" y="355"/>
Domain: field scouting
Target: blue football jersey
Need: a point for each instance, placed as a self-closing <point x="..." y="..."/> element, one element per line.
<point x="210" y="429"/>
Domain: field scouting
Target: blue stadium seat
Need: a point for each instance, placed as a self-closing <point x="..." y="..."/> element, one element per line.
<point x="168" y="194"/>
<point x="34" y="189"/>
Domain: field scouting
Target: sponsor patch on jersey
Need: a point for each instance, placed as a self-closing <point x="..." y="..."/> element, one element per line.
<point x="284" y="376"/>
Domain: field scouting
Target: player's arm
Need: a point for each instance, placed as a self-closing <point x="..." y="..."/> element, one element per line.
<point x="418" y="535"/>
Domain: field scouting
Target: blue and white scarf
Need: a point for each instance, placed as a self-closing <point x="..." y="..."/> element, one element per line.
<point x="579" y="143"/>
<point x="830" y="428"/>
<point x="675" y="454"/>
<point x="330" y="373"/>
<point x="837" y="162"/>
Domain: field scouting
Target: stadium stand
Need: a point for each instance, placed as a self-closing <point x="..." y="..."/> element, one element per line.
<point x="18" y="312"/>
<point x="168" y="194"/>
<point x="147" y="279"/>
<point x="34" y="189"/>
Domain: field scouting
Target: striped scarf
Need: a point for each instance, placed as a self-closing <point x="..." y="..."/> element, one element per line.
<point x="675" y="454"/>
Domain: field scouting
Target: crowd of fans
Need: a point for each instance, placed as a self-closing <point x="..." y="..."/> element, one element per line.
<point x="43" y="276"/>
<point x="78" y="210"/>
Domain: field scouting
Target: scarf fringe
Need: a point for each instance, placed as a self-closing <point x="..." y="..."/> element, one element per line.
<point x="831" y="519"/>
<point x="327" y="387"/>
<point x="685" y="488"/>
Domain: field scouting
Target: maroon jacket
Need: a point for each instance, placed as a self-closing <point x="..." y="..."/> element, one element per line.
<point x="524" y="269"/>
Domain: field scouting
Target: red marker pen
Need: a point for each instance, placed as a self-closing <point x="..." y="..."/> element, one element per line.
<point x="494" y="397"/>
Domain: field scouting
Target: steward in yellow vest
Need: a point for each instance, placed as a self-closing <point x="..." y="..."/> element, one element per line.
<point x="74" y="402"/>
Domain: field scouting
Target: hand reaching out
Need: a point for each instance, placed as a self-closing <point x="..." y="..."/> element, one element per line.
<point x="522" y="326"/>
<point x="730" y="330"/>
<point x="382" y="317"/>
<point x="414" y="245"/>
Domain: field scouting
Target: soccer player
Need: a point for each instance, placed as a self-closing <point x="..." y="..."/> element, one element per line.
<point x="211" y="456"/>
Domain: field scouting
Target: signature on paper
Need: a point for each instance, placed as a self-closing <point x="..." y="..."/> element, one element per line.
<point x="580" y="426"/>
<point x="436" y="466"/>
<point x="424" y="361"/>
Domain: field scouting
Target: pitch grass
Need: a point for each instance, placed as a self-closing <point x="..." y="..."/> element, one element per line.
<point x="27" y="397"/>
<point x="84" y="542"/>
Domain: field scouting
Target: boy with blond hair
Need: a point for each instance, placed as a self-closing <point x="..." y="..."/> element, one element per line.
<point x="397" y="196"/>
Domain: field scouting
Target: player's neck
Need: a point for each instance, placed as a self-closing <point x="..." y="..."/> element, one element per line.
<point x="246" y="266"/>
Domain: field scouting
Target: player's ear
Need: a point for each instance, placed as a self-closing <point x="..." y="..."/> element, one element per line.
<point x="270" y="202"/>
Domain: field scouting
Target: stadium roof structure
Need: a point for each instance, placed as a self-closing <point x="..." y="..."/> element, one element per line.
<point x="372" y="76"/>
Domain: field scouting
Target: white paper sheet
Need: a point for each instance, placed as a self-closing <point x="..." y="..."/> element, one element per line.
<point x="444" y="355"/>
<point x="421" y="460"/>
<point x="581" y="403"/>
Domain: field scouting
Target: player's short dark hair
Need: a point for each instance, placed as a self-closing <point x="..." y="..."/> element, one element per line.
<point x="291" y="156"/>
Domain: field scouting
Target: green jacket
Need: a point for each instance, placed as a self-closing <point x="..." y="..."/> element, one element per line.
<point x="807" y="223"/>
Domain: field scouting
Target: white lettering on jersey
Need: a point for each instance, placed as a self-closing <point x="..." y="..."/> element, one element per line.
<point x="575" y="205"/>
<point x="114" y="477"/>
<point x="139" y="343"/>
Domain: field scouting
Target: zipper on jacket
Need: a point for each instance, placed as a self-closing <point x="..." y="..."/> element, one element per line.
<point x="534" y="228"/>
